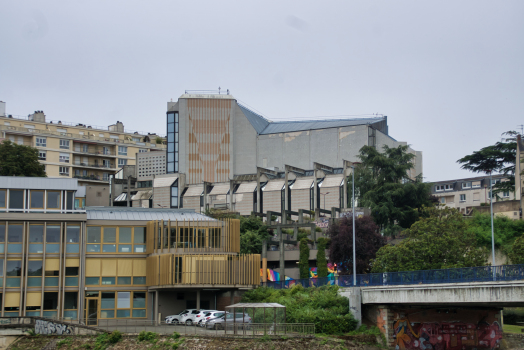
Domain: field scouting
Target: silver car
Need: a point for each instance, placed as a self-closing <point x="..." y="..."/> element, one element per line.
<point x="227" y="320"/>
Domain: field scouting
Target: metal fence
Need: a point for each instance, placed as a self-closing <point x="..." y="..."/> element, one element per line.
<point x="460" y="275"/>
<point x="245" y="330"/>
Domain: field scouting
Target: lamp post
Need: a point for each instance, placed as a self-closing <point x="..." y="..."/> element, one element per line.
<point x="354" y="240"/>
<point x="324" y="194"/>
<point x="492" y="230"/>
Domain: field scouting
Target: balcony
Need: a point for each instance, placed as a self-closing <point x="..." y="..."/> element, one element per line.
<point x="95" y="165"/>
<point x="103" y="153"/>
<point x="96" y="178"/>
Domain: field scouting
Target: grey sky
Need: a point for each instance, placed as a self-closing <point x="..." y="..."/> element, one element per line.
<point x="448" y="74"/>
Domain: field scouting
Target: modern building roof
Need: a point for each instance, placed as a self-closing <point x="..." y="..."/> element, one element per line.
<point x="38" y="183"/>
<point x="264" y="126"/>
<point x="477" y="178"/>
<point x="143" y="214"/>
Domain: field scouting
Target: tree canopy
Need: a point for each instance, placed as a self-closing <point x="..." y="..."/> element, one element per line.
<point x="439" y="240"/>
<point x="368" y="242"/>
<point x="516" y="252"/>
<point x="382" y="184"/>
<point x="19" y="160"/>
<point x="505" y="230"/>
<point x="497" y="158"/>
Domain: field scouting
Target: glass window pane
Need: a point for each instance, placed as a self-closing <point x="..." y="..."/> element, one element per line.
<point x="125" y="248"/>
<point x="140" y="248"/>
<point x="34" y="268"/>
<point x="12" y="282"/>
<point x="53" y="200"/>
<point x="36" y="233"/>
<point x="34" y="281"/>
<point x="36" y="248"/>
<point x="52" y="234"/>
<point x="123" y="313"/>
<point x="52" y="248"/>
<point x="92" y="281"/>
<point x="71" y="271"/>
<point x="171" y="117"/>
<point x="11" y="314"/>
<point x="139" y="300"/>
<point x="71" y="300"/>
<point x="124" y="234"/>
<point x="108" y="280"/>
<point x="109" y="248"/>
<point x="71" y="281"/>
<point x="51" y="282"/>
<point x="14" y="268"/>
<point x="93" y="248"/>
<point x="109" y="234"/>
<point x="170" y="128"/>
<point x="107" y="314"/>
<point x="3" y="194"/>
<point x="124" y="280"/>
<point x="73" y="314"/>
<point x="108" y="301"/>
<point x="2" y="232"/>
<point x="139" y="313"/>
<point x="73" y="234"/>
<point x="15" y="248"/>
<point x="15" y="233"/>
<point x="124" y="300"/>
<point x="16" y="199"/>
<point x="140" y="235"/>
<point x="170" y="147"/>
<point x="37" y="199"/>
<point x="72" y="248"/>
<point x="93" y="234"/>
<point x="139" y="280"/>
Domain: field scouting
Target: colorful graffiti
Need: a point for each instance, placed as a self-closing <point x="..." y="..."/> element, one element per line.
<point x="313" y="271"/>
<point x="273" y="276"/>
<point x="446" y="335"/>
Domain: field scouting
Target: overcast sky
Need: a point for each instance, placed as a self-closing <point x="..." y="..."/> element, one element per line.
<point x="448" y="74"/>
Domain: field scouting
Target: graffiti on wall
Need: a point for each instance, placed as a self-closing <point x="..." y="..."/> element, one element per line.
<point x="48" y="328"/>
<point x="446" y="335"/>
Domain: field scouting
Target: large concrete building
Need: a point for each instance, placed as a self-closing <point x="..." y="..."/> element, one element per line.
<point x="224" y="155"/>
<point x="60" y="260"/>
<point x="74" y="150"/>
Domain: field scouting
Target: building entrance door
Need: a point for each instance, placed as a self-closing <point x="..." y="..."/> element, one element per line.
<point x="91" y="313"/>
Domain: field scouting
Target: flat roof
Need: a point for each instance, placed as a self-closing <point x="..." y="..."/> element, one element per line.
<point x="38" y="183"/>
<point x="144" y="214"/>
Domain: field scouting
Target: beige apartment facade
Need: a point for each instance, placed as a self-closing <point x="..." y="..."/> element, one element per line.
<point x="90" y="154"/>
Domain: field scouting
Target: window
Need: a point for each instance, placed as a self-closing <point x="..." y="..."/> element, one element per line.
<point x="142" y="150"/>
<point x="72" y="239"/>
<point x="16" y="199"/>
<point x="37" y="199"/>
<point x="34" y="273"/>
<point x="53" y="198"/>
<point x="466" y="185"/>
<point x="122" y="150"/>
<point x="93" y="239"/>
<point x="127" y="304"/>
<point x="505" y="194"/>
<point x="52" y="239"/>
<point x="71" y="279"/>
<point x="41" y="142"/>
<point x="475" y="184"/>
<point x="109" y="236"/>
<point x="42" y="155"/>
<point x="172" y="142"/>
<point x="3" y="194"/>
<point x="443" y="200"/>
<point x="105" y="176"/>
<point x="85" y="148"/>
<point x="105" y="163"/>
<point x="64" y="144"/>
<point x="50" y="304"/>
<point x="60" y="130"/>
<point x="63" y="170"/>
<point x="122" y="162"/>
<point x="105" y="150"/>
<point x="174" y="195"/>
<point x="36" y="239"/>
<point x="71" y="304"/>
<point x="449" y="187"/>
<point x="64" y="158"/>
<point x="14" y="238"/>
<point x="462" y="197"/>
<point x="13" y="273"/>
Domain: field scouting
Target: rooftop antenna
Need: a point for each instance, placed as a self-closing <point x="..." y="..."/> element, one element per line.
<point x="521" y="129"/>
<point x="219" y="90"/>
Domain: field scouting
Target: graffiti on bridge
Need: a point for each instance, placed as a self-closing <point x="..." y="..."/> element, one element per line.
<point x="49" y="327"/>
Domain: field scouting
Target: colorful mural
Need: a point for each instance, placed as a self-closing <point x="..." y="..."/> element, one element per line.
<point x="273" y="276"/>
<point x="454" y="334"/>
<point x="313" y="271"/>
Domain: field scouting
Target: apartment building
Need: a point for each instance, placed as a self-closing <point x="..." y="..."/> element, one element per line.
<point x="89" y="153"/>
<point x="60" y="260"/>
<point x="464" y="194"/>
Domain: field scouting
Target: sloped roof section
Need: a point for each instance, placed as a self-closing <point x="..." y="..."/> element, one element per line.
<point x="258" y="122"/>
<point x="143" y="214"/>
<point x="294" y="126"/>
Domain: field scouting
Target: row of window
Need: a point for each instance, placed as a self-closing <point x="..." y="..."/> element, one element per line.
<point x="505" y="194"/>
<point x="118" y="304"/>
<point x="116" y="239"/>
<point x="37" y="237"/>
<point x="172" y="142"/>
<point x="34" y="305"/>
<point x="36" y="199"/>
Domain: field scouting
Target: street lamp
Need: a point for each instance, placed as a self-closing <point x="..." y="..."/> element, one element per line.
<point x="492" y="230"/>
<point x="353" y="212"/>
<point x="324" y="194"/>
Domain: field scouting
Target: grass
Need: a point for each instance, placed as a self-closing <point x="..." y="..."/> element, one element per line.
<point x="509" y="328"/>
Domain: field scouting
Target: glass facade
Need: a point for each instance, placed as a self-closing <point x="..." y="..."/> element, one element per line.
<point x="172" y="142"/>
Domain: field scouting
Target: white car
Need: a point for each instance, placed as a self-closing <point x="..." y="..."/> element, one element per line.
<point x="178" y="318"/>
<point x="195" y="316"/>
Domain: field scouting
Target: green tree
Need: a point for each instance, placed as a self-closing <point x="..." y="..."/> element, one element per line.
<point x="382" y="184"/>
<point x="439" y="240"/>
<point x="19" y="160"/>
<point x="322" y="268"/>
<point x="303" y="262"/>
<point x="253" y="232"/>
<point x="505" y="230"/>
<point x="497" y="158"/>
<point x="516" y="252"/>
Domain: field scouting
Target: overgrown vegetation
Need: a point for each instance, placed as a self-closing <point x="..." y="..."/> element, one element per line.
<point x="439" y="240"/>
<point x="322" y="306"/>
<point x="505" y="229"/>
<point x="303" y="262"/>
<point x="374" y="330"/>
<point x="516" y="252"/>
<point x="322" y="268"/>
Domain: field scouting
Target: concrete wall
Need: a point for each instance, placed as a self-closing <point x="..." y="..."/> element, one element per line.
<point x="244" y="203"/>
<point x="244" y="143"/>
<point x="97" y="196"/>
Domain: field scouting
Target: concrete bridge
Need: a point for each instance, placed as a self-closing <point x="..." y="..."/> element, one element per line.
<point x="459" y="315"/>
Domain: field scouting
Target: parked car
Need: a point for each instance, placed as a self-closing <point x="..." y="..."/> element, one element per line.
<point x="209" y="315"/>
<point x="227" y="320"/>
<point x="195" y="316"/>
<point x="174" y="319"/>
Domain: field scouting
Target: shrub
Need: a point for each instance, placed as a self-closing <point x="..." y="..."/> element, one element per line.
<point x="175" y="335"/>
<point x="147" y="336"/>
<point x="322" y="269"/>
<point x="322" y="306"/>
<point x="303" y="263"/>
<point x="114" y="337"/>
<point x="516" y="252"/>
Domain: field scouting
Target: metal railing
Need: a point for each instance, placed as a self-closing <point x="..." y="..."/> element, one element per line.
<point x="459" y="275"/>
<point x="245" y="330"/>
